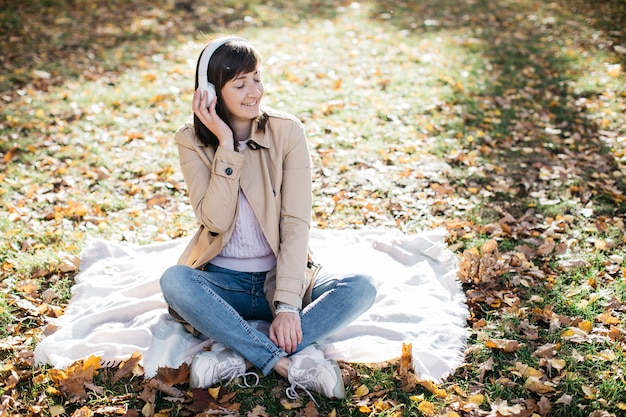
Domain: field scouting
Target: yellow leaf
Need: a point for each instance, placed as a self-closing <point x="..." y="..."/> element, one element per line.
<point x="585" y="326"/>
<point x="427" y="408"/>
<point x="381" y="406"/>
<point x="92" y="362"/>
<point x="568" y="333"/>
<point x="437" y="392"/>
<point x="52" y="391"/>
<point x="476" y="399"/>
<point x="214" y="392"/>
<point x="361" y="391"/>
<point x="333" y="413"/>
<point x="459" y="390"/>
<point x="365" y="409"/>
<point x="621" y="406"/>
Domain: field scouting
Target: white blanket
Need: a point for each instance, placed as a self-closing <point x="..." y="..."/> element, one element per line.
<point x="117" y="307"/>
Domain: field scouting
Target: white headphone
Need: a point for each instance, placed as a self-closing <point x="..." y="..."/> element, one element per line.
<point x="203" y="66"/>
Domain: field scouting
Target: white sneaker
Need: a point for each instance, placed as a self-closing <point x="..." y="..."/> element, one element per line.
<point x="219" y="364"/>
<point x="309" y="370"/>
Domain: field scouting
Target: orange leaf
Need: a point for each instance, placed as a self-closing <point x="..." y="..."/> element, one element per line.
<point x="503" y="344"/>
<point x="71" y="381"/>
<point x="607" y="318"/>
<point x="427" y="408"/>
<point x="406" y="360"/>
<point x="586" y="326"/>
<point x="437" y="392"/>
<point x="127" y="366"/>
<point x="11" y="153"/>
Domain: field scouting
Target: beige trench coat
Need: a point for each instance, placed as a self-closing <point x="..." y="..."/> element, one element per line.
<point x="276" y="180"/>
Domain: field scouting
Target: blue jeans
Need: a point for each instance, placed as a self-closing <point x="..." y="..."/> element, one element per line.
<point x="218" y="302"/>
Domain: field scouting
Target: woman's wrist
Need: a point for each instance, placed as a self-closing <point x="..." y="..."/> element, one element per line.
<point x="286" y="308"/>
<point x="227" y="142"/>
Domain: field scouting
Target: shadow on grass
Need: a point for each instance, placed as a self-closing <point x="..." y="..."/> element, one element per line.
<point x="530" y="116"/>
<point x="541" y="131"/>
<point x="71" y="38"/>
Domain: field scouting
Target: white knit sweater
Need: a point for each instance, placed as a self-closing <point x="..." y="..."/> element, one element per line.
<point x="247" y="250"/>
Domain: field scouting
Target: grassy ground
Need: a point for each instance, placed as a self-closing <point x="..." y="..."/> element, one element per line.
<point x="504" y="122"/>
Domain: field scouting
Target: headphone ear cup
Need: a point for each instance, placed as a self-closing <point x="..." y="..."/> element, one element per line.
<point x="203" y="66"/>
<point x="210" y="89"/>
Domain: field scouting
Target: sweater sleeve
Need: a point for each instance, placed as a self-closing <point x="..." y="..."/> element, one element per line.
<point x="213" y="185"/>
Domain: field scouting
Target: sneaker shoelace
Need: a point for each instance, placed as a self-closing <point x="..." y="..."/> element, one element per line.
<point x="232" y="372"/>
<point x="304" y="381"/>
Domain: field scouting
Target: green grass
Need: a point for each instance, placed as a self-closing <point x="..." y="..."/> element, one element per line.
<point x="501" y="123"/>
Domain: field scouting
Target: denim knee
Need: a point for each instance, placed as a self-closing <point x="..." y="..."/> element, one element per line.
<point x="172" y="279"/>
<point x="367" y="288"/>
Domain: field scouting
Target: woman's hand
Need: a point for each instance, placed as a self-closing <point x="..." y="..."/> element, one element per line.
<point x="286" y="331"/>
<point x="208" y="116"/>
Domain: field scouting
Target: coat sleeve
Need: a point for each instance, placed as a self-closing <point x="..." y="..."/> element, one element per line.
<point x="213" y="184"/>
<point x="295" y="219"/>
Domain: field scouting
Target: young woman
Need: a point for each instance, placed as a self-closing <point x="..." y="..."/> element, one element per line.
<point x="248" y="174"/>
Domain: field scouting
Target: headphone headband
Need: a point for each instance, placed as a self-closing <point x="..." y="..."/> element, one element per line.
<point x="203" y="65"/>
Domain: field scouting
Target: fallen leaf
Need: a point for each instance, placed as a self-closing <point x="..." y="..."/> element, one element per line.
<point x="503" y="344"/>
<point x="406" y="360"/>
<point x="500" y="408"/>
<point x="127" y="366"/>
<point x="607" y="318"/>
<point x="258" y="411"/>
<point x="427" y="408"/>
<point x="590" y="392"/>
<point x="310" y="410"/>
<point x="565" y="399"/>
<point x="71" y="381"/>
<point x="433" y="389"/>
<point x="538" y="386"/>
<point x="586" y="326"/>
<point x="557" y="364"/>
<point x="361" y="391"/>
<point x="476" y="399"/>
<point x="214" y="392"/>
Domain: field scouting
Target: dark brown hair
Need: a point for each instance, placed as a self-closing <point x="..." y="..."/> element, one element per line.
<point x="230" y="60"/>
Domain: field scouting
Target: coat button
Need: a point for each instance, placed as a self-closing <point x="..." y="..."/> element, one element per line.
<point x="228" y="171"/>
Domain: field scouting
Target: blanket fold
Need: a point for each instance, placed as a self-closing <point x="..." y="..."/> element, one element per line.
<point x="117" y="307"/>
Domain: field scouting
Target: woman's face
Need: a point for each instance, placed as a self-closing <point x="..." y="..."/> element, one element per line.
<point x="242" y="96"/>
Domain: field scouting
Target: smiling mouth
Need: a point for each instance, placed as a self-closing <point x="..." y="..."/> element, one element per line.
<point x="250" y="104"/>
